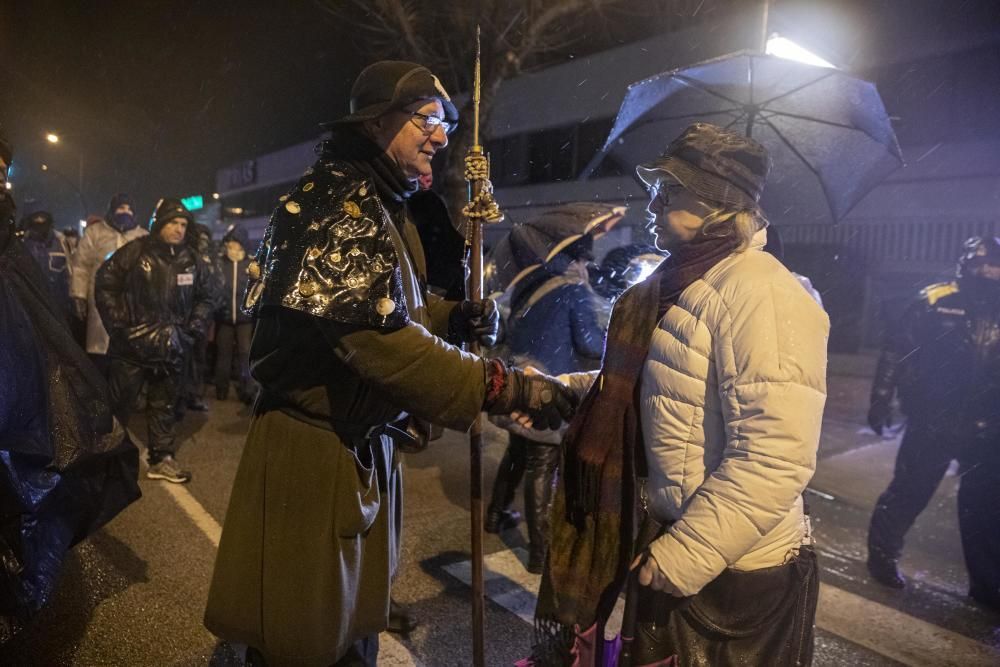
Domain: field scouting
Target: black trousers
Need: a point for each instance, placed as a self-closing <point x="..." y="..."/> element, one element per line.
<point x="227" y="337"/>
<point x="536" y="464"/>
<point x="923" y="459"/>
<point x="924" y="456"/>
<point x="979" y="520"/>
<point x="162" y="389"/>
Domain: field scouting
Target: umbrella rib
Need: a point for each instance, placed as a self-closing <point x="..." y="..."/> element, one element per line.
<point x="795" y="90"/>
<point x="813" y="120"/>
<point x="806" y="162"/>
<point x="660" y="119"/>
<point x="695" y="84"/>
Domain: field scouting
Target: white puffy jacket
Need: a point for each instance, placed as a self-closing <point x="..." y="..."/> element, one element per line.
<point x="731" y="403"/>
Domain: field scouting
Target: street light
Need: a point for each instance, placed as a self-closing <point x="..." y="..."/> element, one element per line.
<point x="785" y="48"/>
<point x="52" y="138"/>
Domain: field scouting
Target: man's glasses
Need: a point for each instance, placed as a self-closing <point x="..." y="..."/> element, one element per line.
<point x="664" y="193"/>
<point x="429" y="124"/>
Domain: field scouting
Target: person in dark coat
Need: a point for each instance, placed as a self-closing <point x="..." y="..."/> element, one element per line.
<point x="66" y="466"/>
<point x="554" y="325"/>
<point x="347" y="351"/>
<point x="50" y="250"/>
<point x="943" y="359"/>
<point x="199" y="239"/>
<point x="233" y="326"/>
<point x="155" y="298"/>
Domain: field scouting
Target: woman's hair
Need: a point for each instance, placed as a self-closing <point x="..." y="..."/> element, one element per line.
<point x="721" y="221"/>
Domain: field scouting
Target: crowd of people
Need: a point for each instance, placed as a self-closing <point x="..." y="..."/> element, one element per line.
<point x="664" y="406"/>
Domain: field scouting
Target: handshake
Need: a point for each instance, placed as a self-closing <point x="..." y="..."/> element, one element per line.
<point x="533" y="399"/>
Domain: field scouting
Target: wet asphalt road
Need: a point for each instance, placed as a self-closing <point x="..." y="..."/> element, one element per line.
<point x="134" y="593"/>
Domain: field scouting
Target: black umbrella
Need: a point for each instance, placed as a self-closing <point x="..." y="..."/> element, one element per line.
<point x="534" y="243"/>
<point x="827" y="131"/>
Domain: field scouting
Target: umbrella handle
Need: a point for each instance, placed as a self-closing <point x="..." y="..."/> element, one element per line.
<point x="630" y="613"/>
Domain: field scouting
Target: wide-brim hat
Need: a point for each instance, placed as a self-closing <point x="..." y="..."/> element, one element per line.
<point x="393" y="84"/>
<point x="716" y="165"/>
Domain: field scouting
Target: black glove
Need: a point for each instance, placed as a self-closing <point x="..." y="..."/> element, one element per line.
<point x="470" y="320"/>
<point x="80" y="308"/>
<point x="543" y="398"/>
<point x="880" y="416"/>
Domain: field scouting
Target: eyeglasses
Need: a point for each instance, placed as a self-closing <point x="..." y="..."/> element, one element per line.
<point x="662" y="194"/>
<point x="430" y="124"/>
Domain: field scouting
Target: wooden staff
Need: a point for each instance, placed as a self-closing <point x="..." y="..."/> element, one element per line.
<point x="481" y="208"/>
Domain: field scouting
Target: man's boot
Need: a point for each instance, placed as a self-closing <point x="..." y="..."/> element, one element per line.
<point x="885" y="569"/>
<point x="498" y="521"/>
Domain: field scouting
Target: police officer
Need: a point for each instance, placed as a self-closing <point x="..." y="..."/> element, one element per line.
<point x="943" y="359"/>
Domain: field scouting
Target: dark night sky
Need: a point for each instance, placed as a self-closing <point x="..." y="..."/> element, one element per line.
<point x="155" y="95"/>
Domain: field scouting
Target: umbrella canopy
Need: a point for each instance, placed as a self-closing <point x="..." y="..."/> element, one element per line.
<point x="540" y="241"/>
<point x="827" y="132"/>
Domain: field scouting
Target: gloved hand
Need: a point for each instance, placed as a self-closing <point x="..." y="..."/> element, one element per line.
<point x="80" y="308"/>
<point x="470" y="321"/>
<point x="880" y="416"/>
<point x="543" y="398"/>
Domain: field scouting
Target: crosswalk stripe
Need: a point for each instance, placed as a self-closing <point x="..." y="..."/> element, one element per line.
<point x="882" y="629"/>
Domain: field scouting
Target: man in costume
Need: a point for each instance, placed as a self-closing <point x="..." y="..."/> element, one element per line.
<point x="345" y="350"/>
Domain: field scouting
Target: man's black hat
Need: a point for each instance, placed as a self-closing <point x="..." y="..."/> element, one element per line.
<point x="715" y="164"/>
<point x="166" y="210"/>
<point x="393" y="84"/>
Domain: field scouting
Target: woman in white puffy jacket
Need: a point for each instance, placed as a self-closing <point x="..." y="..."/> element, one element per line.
<point x="731" y="398"/>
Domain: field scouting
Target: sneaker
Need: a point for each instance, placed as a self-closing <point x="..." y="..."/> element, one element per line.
<point x="168" y="470"/>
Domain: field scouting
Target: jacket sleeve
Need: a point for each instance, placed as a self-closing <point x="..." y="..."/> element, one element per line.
<point x="83" y="262"/>
<point x="110" y="287"/>
<point x="899" y="344"/>
<point x="770" y="349"/>
<point x="417" y="371"/>
<point x="588" y="336"/>
<point x="439" y="309"/>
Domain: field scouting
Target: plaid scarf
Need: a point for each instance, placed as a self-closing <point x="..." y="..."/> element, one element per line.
<point x="593" y="517"/>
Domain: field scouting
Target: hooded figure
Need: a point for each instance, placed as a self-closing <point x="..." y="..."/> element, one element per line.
<point x="942" y="358"/>
<point x="50" y="250"/>
<point x="199" y="238"/>
<point x="233" y="326"/>
<point x="554" y="325"/>
<point x="154" y="296"/>
<point x="66" y="466"/>
<point x="101" y="238"/>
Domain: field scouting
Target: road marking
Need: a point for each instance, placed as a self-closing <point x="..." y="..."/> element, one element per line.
<point x="391" y="652"/>
<point x="205" y="521"/>
<point x="896" y="635"/>
<point x="882" y="629"/>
